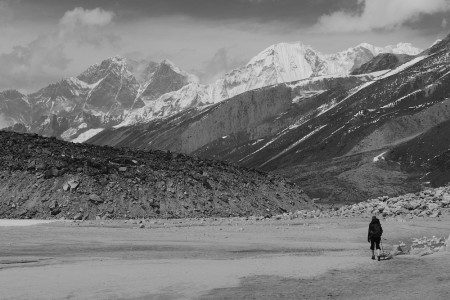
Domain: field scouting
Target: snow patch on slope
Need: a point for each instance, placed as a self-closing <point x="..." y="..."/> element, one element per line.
<point x="87" y="135"/>
<point x="403" y="67"/>
<point x="379" y="157"/>
<point x="294" y="144"/>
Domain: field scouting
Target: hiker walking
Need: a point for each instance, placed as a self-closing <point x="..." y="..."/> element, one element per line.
<point x="374" y="236"/>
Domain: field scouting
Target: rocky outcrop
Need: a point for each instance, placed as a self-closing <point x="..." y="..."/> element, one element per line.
<point x="48" y="178"/>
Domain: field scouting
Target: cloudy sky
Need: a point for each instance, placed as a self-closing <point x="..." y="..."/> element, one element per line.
<point x="46" y="40"/>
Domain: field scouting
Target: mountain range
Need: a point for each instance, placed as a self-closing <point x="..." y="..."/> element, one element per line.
<point x="120" y="91"/>
<point x="345" y="126"/>
<point x="342" y="137"/>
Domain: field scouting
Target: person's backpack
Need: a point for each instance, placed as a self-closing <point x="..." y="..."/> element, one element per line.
<point x="376" y="230"/>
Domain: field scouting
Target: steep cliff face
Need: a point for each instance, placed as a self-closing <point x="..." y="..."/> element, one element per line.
<point x="238" y="115"/>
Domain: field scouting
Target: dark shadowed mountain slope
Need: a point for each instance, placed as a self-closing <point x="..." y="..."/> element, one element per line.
<point x="48" y="178"/>
<point x="428" y="153"/>
<point x="384" y="61"/>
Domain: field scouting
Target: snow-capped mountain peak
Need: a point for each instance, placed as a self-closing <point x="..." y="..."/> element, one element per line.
<point x="280" y="51"/>
<point x="122" y="90"/>
<point x="190" y="77"/>
<point x="285" y="62"/>
<point x="166" y="78"/>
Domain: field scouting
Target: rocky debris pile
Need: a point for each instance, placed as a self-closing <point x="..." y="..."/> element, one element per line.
<point x="423" y="246"/>
<point x="48" y="178"/>
<point x="428" y="203"/>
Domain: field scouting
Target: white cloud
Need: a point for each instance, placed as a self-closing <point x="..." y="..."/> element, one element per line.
<point x="80" y="17"/>
<point x="379" y="14"/>
<point x="444" y="23"/>
<point x="44" y="59"/>
<point x="218" y="65"/>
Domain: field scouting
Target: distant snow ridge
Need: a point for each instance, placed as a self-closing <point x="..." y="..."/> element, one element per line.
<point x="119" y="91"/>
<point x="170" y="90"/>
<point x="290" y="62"/>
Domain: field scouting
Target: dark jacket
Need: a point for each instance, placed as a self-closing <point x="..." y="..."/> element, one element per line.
<point x="375" y="229"/>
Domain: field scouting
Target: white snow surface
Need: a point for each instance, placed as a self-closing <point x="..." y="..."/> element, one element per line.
<point x="379" y="157"/>
<point x="403" y="67"/>
<point x="87" y="135"/>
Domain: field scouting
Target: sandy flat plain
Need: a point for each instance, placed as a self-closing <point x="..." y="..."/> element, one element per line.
<point x="217" y="259"/>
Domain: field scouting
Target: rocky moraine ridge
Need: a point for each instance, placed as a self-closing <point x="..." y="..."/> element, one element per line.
<point x="431" y="203"/>
<point x="48" y="178"/>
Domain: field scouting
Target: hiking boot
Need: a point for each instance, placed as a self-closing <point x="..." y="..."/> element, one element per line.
<point x="378" y="258"/>
<point x="373" y="257"/>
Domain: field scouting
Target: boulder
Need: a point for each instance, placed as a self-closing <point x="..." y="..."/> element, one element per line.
<point x="53" y="172"/>
<point x="432" y="206"/>
<point x="436" y="214"/>
<point x="446" y="200"/>
<point x="73" y="184"/>
<point x="414" y="204"/>
<point x="95" y="199"/>
<point x="397" y="250"/>
<point x="53" y="205"/>
<point x="78" y="216"/>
